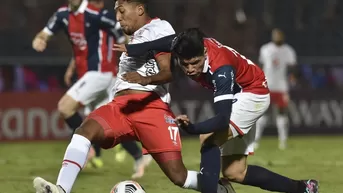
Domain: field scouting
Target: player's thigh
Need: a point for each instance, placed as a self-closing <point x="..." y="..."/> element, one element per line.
<point x="234" y="167"/>
<point x="157" y="130"/>
<point x="245" y="112"/>
<point x="101" y="100"/>
<point x="116" y="127"/>
<point x="90" y="86"/>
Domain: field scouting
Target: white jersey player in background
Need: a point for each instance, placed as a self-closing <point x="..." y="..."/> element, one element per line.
<point x="277" y="59"/>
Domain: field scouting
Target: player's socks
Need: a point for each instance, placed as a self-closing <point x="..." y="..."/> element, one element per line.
<point x="74" y="159"/>
<point x="97" y="150"/>
<point x="209" y="168"/>
<point x="268" y="180"/>
<point x="132" y="148"/>
<point x="281" y="124"/>
<point x="74" y="121"/>
<point x="192" y="181"/>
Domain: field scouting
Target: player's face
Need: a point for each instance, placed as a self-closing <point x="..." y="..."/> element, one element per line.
<point x="193" y="67"/>
<point x="74" y="3"/>
<point x="128" y="14"/>
<point x="277" y="37"/>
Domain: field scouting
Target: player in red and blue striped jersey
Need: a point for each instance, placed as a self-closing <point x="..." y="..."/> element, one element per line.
<point x="92" y="30"/>
<point x="240" y="96"/>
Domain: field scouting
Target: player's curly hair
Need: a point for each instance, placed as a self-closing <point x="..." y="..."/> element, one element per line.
<point x="189" y="44"/>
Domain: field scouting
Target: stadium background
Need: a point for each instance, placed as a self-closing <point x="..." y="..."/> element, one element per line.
<point x="31" y="83"/>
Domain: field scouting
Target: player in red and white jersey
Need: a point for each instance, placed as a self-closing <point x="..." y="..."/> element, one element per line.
<point x="240" y="96"/>
<point x="92" y="30"/>
<point x="139" y="110"/>
<point x="278" y="60"/>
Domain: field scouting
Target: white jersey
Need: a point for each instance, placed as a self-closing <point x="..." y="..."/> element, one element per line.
<point x="275" y="60"/>
<point x="151" y="31"/>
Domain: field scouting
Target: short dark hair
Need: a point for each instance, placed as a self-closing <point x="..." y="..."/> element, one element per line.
<point x="145" y="3"/>
<point x="189" y="44"/>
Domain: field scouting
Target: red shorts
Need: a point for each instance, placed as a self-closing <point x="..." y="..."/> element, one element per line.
<point x="280" y="99"/>
<point x="143" y="117"/>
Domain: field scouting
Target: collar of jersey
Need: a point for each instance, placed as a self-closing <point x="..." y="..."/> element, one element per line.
<point x="206" y="65"/>
<point x="82" y="7"/>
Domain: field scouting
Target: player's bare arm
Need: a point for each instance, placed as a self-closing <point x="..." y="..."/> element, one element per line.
<point x="69" y="72"/>
<point x="39" y="43"/>
<point x="162" y="77"/>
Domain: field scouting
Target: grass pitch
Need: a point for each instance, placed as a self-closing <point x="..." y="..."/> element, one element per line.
<point x="306" y="157"/>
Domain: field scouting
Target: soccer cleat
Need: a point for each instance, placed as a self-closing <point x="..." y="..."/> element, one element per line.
<point x="225" y="186"/>
<point x="312" y="186"/>
<point x="140" y="166"/>
<point x="43" y="186"/>
<point x="97" y="162"/>
<point x="120" y="154"/>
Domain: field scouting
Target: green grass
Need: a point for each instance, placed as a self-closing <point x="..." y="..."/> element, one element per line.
<point x="306" y="157"/>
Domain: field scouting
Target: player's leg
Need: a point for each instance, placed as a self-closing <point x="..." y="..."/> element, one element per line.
<point x="160" y="136"/>
<point x="236" y="169"/>
<point x="260" y="126"/>
<point x="282" y="119"/>
<point x="98" y="128"/>
<point x="235" y="151"/>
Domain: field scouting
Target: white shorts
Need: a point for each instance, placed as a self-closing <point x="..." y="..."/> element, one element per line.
<point x="92" y="89"/>
<point x="246" y="111"/>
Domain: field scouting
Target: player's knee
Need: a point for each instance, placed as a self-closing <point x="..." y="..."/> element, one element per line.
<point x="67" y="106"/>
<point x="234" y="167"/>
<point x="172" y="165"/>
<point x="91" y="130"/>
<point x="235" y="174"/>
<point x="283" y="111"/>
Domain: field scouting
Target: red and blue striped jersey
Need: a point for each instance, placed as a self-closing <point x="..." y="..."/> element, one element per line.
<point x="92" y="32"/>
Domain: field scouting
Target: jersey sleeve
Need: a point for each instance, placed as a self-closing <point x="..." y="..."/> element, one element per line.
<point x="223" y="81"/>
<point x="54" y="24"/>
<point x="108" y="23"/>
<point x="160" y="45"/>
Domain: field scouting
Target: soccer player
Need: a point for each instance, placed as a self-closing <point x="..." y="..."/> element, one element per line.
<point x="91" y="30"/>
<point x="278" y="60"/>
<point x="241" y="96"/>
<point x="139" y="111"/>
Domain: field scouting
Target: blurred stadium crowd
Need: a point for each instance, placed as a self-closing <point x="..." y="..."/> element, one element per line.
<point x="313" y="27"/>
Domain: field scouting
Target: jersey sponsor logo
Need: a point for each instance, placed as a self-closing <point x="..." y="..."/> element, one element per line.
<point x="150" y="68"/>
<point x="169" y="119"/>
<point x="79" y="40"/>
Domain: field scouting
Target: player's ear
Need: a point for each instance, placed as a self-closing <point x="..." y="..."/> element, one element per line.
<point x="141" y="10"/>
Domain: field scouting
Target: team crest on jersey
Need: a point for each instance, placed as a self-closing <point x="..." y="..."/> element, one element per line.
<point x="79" y="40"/>
<point x="169" y="119"/>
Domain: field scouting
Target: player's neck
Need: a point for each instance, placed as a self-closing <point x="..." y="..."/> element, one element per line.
<point x="143" y="21"/>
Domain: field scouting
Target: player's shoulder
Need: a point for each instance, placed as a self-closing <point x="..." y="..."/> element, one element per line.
<point x="62" y="11"/>
<point x="92" y="9"/>
<point x="155" y="29"/>
<point x="267" y="46"/>
<point x="288" y="47"/>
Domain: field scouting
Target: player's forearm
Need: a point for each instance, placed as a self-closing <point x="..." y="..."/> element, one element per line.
<point x="43" y="36"/>
<point x="220" y="122"/>
<point x="160" y="45"/>
<point x="163" y="77"/>
<point x="72" y="65"/>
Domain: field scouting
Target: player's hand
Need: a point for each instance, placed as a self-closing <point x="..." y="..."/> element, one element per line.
<point x="135" y="77"/>
<point x="39" y="44"/>
<point x="119" y="48"/>
<point x="68" y="76"/>
<point x="182" y="122"/>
